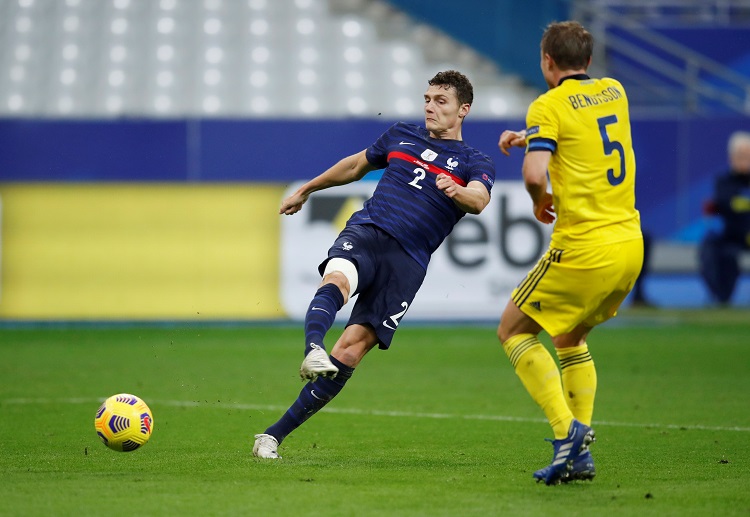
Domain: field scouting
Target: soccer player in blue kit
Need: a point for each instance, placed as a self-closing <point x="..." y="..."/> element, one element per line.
<point x="431" y="180"/>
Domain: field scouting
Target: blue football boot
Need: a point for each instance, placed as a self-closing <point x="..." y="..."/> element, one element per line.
<point x="583" y="469"/>
<point x="571" y="459"/>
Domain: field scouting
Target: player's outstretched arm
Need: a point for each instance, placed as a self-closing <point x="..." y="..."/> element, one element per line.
<point x="510" y="139"/>
<point x="347" y="170"/>
<point x="472" y="198"/>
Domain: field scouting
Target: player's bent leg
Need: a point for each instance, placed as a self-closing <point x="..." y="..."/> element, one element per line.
<point x="312" y="398"/>
<point x="538" y="372"/>
<point x="534" y="366"/>
<point x="332" y="294"/>
<point x="351" y="347"/>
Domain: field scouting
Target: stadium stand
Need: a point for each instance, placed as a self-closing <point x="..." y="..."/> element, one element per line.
<point x="230" y="58"/>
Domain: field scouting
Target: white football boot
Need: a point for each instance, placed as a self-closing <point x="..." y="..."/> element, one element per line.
<point x="317" y="363"/>
<point x="266" y="447"/>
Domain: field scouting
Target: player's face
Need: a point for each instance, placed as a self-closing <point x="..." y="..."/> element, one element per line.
<point x="442" y="112"/>
<point x="740" y="159"/>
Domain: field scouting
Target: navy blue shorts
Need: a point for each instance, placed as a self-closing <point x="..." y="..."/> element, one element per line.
<point x="389" y="278"/>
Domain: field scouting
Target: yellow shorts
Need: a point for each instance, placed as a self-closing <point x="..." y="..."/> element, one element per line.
<point x="573" y="286"/>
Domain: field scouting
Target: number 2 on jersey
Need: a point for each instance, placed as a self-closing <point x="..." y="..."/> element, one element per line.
<point x="611" y="146"/>
<point x="420" y="174"/>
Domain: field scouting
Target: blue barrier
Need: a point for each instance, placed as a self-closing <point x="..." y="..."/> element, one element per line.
<point x="677" y="158"/>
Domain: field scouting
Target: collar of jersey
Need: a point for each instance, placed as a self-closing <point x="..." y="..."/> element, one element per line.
<point x="577" y="77"/>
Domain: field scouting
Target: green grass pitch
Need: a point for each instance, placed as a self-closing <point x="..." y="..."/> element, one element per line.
<point x="437" y="426"/>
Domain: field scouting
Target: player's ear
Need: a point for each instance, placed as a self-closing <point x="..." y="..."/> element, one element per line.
<point x="547" y="62"/>
<point x="464" y="110"/>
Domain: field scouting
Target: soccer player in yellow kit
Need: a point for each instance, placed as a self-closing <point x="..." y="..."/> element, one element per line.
<point x="579" y="132"/>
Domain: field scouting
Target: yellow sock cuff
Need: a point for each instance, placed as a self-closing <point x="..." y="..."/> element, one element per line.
<point x="519" y="344"/>
<point x="573" y="356"/>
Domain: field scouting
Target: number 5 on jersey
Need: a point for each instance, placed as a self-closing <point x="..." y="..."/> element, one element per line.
<point x="611" y="146"/>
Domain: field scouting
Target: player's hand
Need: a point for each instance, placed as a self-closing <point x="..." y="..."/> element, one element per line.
<point x="447" y="185"/>
<point x="510" y="139"/>
<point x="293" y="203"/>
<point x="544" y="211"/>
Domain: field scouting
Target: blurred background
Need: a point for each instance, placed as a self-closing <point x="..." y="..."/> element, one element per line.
<point x="145" y="145"/>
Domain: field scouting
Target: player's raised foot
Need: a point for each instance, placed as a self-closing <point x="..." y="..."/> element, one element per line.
<point x="566" y="451"/>
<point x="582" y="470"/>
<point x="266" y="446"/>
<point x="316" y="364"/>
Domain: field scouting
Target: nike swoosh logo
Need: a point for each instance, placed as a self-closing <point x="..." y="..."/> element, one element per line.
<point x="312" y="392"/>
<point x="385" y="323"/>
<point x="320" y="309"/>
<point x="406" y="143"/>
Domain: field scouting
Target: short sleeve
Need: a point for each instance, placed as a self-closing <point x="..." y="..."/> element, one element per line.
<point x="542" y="127"/>
<point x="377" y="153"/>
<point x="482" y="170"/>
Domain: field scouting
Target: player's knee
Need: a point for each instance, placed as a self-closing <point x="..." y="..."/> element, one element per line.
<point x="347" y="270"/>
<point x="501" y="334"/>
<point x="576" y="337"/>
<point x="504" y="331"/>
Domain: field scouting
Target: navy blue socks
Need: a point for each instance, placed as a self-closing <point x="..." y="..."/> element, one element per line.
<point x="311" y="399"/>
<point x="321" y="313"/>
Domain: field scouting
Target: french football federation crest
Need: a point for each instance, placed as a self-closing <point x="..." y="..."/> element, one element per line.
<point x="429" y="155"/>
<point x="451" y="164"/>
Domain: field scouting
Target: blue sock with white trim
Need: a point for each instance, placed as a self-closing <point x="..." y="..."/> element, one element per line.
<point x="313" y="397"/>
<point x="321" y="314"/>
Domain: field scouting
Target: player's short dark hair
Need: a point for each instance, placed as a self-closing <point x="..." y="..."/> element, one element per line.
<point x="459" y="82"/>
<point x="569" y="44"/>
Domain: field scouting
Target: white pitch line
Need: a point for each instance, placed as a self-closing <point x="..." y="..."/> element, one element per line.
<point x="368" y="412"/>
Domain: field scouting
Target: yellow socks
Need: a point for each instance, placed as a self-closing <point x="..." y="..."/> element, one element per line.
<point x="539" y="374"/>
<point x="578" y="380"/>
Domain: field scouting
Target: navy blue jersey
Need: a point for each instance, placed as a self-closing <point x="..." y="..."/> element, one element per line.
<point x="732" y="197"/>
<point x="406" y="203"/>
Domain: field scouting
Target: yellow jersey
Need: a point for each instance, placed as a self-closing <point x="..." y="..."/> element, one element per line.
<point x="585" y="123"/>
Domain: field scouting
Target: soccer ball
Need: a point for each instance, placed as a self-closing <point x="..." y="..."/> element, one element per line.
<point x="124" y="422"/>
